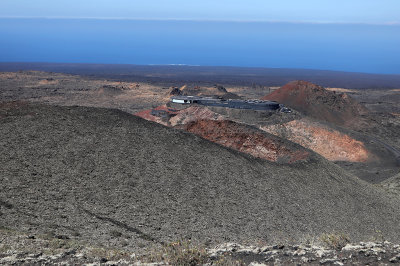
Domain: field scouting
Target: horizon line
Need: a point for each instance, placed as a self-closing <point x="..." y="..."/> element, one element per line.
<point x="196" y="65"/>
<point x="387" y="23"/>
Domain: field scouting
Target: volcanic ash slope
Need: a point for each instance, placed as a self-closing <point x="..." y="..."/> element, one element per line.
<point x="108" y="177"/>
<point x="392" y="184"/>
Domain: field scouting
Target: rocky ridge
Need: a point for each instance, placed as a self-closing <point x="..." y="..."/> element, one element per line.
<point x="362" y="253"/>
<point x="23" y="249"/>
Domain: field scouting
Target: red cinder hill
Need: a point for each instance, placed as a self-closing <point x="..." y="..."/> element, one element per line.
<point x="248" y="140"/>
<point x="317" y="102"/>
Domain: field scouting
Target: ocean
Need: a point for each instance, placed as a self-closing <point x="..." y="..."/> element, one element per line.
<point x="345" y="47"/>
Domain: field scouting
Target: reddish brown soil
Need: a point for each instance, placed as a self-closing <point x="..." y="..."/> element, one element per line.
<point x="194" y="113"/>
<point x="317" y="102"/>
<point x="212" y="126"/>
<point x="330" y="143"/>
<point x="248" y="140"/>
<point x="146" y="114"/>
<point x="179" y="117"/>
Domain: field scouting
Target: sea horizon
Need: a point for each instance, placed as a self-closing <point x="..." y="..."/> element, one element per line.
<point x="346" y="47"/>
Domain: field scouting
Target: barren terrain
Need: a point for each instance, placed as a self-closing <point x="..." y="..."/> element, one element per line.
<point x="84" y="173"/>
<point x="375" y="127"/>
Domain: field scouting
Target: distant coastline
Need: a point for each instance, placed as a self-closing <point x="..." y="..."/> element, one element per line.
<point x="237" y="76"/>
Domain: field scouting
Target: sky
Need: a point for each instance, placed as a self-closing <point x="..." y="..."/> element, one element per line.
<point x="311" y="11"/>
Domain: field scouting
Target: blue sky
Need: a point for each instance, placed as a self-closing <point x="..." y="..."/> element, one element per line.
<point x="316" y="11"/>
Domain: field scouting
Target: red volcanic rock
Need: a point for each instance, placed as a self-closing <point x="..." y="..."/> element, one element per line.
<point x="212" y="126"/>
<point x="317" y="102"/>
<point x="330" y="143"/>
<point x="248" y="140"/>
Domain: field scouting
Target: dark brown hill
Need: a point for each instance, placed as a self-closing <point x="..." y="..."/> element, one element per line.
<point x="317" y="102"/>
<point x="114" y="179"/>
